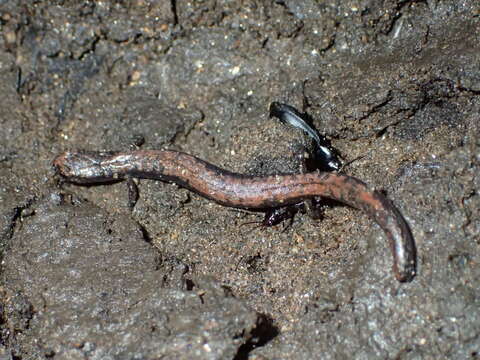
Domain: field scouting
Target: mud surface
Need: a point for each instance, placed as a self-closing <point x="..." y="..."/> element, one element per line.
<point x="395" y="85"/>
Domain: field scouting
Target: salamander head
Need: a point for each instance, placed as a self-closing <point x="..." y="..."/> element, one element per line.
<point x="81" y="167"/>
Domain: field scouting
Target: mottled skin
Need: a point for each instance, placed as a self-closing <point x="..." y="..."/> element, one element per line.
<point x="243" y="191"/>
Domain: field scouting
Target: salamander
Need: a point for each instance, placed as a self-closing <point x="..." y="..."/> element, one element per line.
<point x="245" y="191"/>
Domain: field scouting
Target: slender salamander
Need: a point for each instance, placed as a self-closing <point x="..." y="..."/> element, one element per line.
<point x="244" y="191"/>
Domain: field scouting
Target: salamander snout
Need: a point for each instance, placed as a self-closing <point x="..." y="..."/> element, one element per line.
<point x="79" y="167"/>
<point x="61" y="165"/>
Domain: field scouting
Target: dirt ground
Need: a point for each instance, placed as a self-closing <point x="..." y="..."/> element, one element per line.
<point x="394" y="85"/>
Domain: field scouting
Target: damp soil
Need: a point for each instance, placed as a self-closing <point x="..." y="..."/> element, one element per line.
<point x="395" y="87"/>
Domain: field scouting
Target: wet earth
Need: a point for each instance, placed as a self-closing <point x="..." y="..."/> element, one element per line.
<point x="395" y="87"/>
